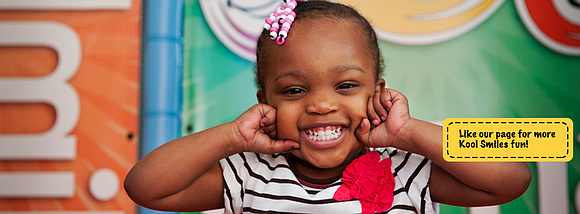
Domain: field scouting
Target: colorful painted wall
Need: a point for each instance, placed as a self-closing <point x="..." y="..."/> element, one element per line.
<point x="451" y="58"/>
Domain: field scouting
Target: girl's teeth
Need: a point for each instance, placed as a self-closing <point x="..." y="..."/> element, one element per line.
<point x="324" y="135"/>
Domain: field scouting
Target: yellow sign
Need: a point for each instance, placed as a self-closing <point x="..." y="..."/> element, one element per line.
<point x="507" y="139"/>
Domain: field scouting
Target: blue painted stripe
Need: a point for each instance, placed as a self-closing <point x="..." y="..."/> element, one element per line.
<point x="161" y="76"/>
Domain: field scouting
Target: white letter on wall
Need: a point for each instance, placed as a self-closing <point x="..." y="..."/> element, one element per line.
<point x="54" y="144"/>
<point x="553" y="187"/>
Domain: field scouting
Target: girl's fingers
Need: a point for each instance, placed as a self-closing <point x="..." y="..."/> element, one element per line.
<point x="379" y="108"/>
<point x="268" y="116"/>
<point x="386" y="99"/>
<point x="396" y="102"/>
<point x="268" y="122"/>
<point x="267" y="126"/>
<point x="271" y="132"/>
<point x="390" y="97"/>
<point x="278" y="146"/>
<point x="363" y="130"/>
<point x="374" y="119"/>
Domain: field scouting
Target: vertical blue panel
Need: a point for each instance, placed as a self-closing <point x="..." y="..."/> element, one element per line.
<point x="161" y="75"/>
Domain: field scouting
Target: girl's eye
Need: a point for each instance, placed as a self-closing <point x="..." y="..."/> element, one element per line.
<point x="346" y="86"/>
<point x="294" y="91"/>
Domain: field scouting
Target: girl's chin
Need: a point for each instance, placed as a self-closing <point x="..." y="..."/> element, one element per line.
<point x="323" y="159"/>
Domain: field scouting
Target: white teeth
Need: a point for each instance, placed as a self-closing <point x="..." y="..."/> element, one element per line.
<point x="324" y="135"/>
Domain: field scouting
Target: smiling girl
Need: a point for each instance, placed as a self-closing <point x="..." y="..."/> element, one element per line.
<point x="326" y="137"/>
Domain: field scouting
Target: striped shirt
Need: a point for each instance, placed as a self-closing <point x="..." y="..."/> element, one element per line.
<point x="260" y="183"/>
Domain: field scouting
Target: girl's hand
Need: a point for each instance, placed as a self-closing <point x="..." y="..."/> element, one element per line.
<point x="257" y="132"/>
<point x="388" y="113"/>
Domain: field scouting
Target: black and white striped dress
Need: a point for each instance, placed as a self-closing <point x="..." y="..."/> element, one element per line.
<point x="260" y="183"/>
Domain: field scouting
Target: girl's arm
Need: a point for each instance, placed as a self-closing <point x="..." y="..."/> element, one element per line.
<point x="184" y="174"/>
<point x="462" y="184"/>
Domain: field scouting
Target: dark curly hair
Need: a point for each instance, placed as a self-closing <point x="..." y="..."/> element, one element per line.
<point x="321" y="9"/>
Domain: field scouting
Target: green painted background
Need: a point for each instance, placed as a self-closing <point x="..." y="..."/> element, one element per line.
<point x="496" y="70"/>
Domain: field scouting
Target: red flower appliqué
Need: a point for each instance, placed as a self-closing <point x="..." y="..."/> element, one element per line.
<point x="370" y="180"/>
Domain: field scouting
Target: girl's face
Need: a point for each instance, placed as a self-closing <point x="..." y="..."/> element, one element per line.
<point x="320" y="81"/>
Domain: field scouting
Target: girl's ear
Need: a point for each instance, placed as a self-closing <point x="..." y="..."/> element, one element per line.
<point x="380" y="85"/>
<point x="261" y="97"/>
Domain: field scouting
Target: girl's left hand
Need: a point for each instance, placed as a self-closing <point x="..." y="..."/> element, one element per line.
<point x="388" y="113"/>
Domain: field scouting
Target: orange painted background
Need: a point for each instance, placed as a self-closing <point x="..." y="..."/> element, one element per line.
<point x="107" y="83"/>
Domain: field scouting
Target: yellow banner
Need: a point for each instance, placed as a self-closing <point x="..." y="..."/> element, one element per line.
<point x="507" y="139"/>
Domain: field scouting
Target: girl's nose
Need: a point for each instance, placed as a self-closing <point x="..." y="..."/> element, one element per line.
<point x="321" y="104"/>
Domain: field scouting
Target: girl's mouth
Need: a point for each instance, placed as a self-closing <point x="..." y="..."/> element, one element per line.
<point x="324" y="137"/>
<point x="324" y="133"/>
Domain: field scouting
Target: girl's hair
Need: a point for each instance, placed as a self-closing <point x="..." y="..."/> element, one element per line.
<point x="320" y="9"/>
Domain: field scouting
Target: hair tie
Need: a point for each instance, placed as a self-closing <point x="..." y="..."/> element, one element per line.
<point x="280" y="21"/>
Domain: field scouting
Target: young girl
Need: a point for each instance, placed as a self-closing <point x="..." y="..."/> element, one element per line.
<point x="326" y="137"/>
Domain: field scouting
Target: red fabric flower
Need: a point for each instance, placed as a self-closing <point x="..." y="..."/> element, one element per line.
<point x="369" y="180"/>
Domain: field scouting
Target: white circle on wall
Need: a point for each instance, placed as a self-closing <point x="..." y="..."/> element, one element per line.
<point x="238" y="24"/>
<point x="104" y="184"/>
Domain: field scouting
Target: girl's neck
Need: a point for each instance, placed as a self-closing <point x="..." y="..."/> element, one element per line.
<point x="310" y="173"/>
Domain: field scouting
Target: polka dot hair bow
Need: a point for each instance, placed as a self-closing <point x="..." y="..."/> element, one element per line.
<point x="279" y="22"/>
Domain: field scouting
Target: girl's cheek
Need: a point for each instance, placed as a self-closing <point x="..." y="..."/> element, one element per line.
<point x="359" y="110"/>
<point x="285" y="123"/>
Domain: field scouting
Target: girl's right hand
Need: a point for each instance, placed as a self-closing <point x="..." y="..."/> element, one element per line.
<point x="257" y="132"/>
